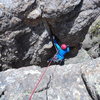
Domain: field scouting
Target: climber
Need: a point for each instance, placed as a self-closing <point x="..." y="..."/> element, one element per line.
<point x="61" y="52"/>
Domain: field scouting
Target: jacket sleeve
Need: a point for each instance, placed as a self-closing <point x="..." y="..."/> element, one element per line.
<point x="68" y="50"/>
<point x="56" y="45"/>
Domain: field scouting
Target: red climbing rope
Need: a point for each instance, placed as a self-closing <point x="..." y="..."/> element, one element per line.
<point x="36" y="85"/>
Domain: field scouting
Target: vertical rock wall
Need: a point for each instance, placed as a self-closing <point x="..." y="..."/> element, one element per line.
<point x="24" y="39"/>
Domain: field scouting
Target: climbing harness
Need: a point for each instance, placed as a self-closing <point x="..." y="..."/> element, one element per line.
<point x="39" y="80"/>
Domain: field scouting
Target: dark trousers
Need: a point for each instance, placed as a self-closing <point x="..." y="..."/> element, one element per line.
<point x="60" y="62"/>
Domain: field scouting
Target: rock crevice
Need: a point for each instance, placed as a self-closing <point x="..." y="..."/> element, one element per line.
<point x="2" y="94"/>
<point x="30" y="41"/>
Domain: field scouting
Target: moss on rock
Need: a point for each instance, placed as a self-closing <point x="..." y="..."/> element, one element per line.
<point x="95" y="29"/>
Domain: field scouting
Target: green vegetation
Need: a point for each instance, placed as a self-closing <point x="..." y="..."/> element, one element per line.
<point x="95" y="29"/>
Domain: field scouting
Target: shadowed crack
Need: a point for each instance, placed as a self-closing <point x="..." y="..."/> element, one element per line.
<point x="91" y="91"/>
<point x="97" y="4"/>
<point x="46" y="95"/>
<point x="48" y="85"/>
<point x="2" y="93"/>
<point x="45" y="88"/>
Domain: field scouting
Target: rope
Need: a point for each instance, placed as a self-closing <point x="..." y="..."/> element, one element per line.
<point x="38" y="82"/>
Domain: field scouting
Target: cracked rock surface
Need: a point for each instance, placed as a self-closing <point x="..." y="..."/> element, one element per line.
<point x="24" y="36"/>
<point x="81" y="57"/>
<point x="92" y="39"/>
<point x="71" y="82"/>
<point x="25" y="40"/>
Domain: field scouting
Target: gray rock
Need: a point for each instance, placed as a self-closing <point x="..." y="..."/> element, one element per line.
<point x="91" y="77"/>
<point x="53" y="8"/>
<point x="92" y="40"/>
<point x="81" y="57"/>
<point x="60" y="82"/>
<point x="29" y="40"/>
<point x="71" y="27"/>
<point x="94" y="51"/>
<point x="87" y="43"/>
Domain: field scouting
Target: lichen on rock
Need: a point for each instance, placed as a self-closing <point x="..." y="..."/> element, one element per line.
<point x="92" y="40"/>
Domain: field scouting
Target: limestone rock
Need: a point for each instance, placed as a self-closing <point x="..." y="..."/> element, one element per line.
<point x="24" y="37"/>
<point x="92" y="40"/>
<point x="72" y="27"/>
<point x="60" y="82"/>
<point x="91" y="77"/>
<point x="81" y="57"/>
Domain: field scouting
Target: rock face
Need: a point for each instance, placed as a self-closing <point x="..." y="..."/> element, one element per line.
<point x="91" y="77"/>
<point x="92" y="40"/>
<point x="72" y="82"/>
<point x="24" y="35"/>
<point x="81" y="57"/>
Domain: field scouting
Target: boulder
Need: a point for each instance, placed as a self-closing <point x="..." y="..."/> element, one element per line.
<point x="91" y="78"/>
<point x="72" y="26"/>
<point x="92" y="40"/>
<point x="25" y="37"/>
<point x="59" y="82"/>
<point x="81" y="57"/>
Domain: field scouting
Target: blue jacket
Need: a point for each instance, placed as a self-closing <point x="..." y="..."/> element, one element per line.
<point x="60" y="52"/>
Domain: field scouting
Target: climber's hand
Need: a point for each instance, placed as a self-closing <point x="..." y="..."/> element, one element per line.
<point x="53" y="37"/>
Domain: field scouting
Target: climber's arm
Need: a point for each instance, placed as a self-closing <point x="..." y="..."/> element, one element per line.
<point x="56" y="44"/>
<point x="68" y="49"/>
